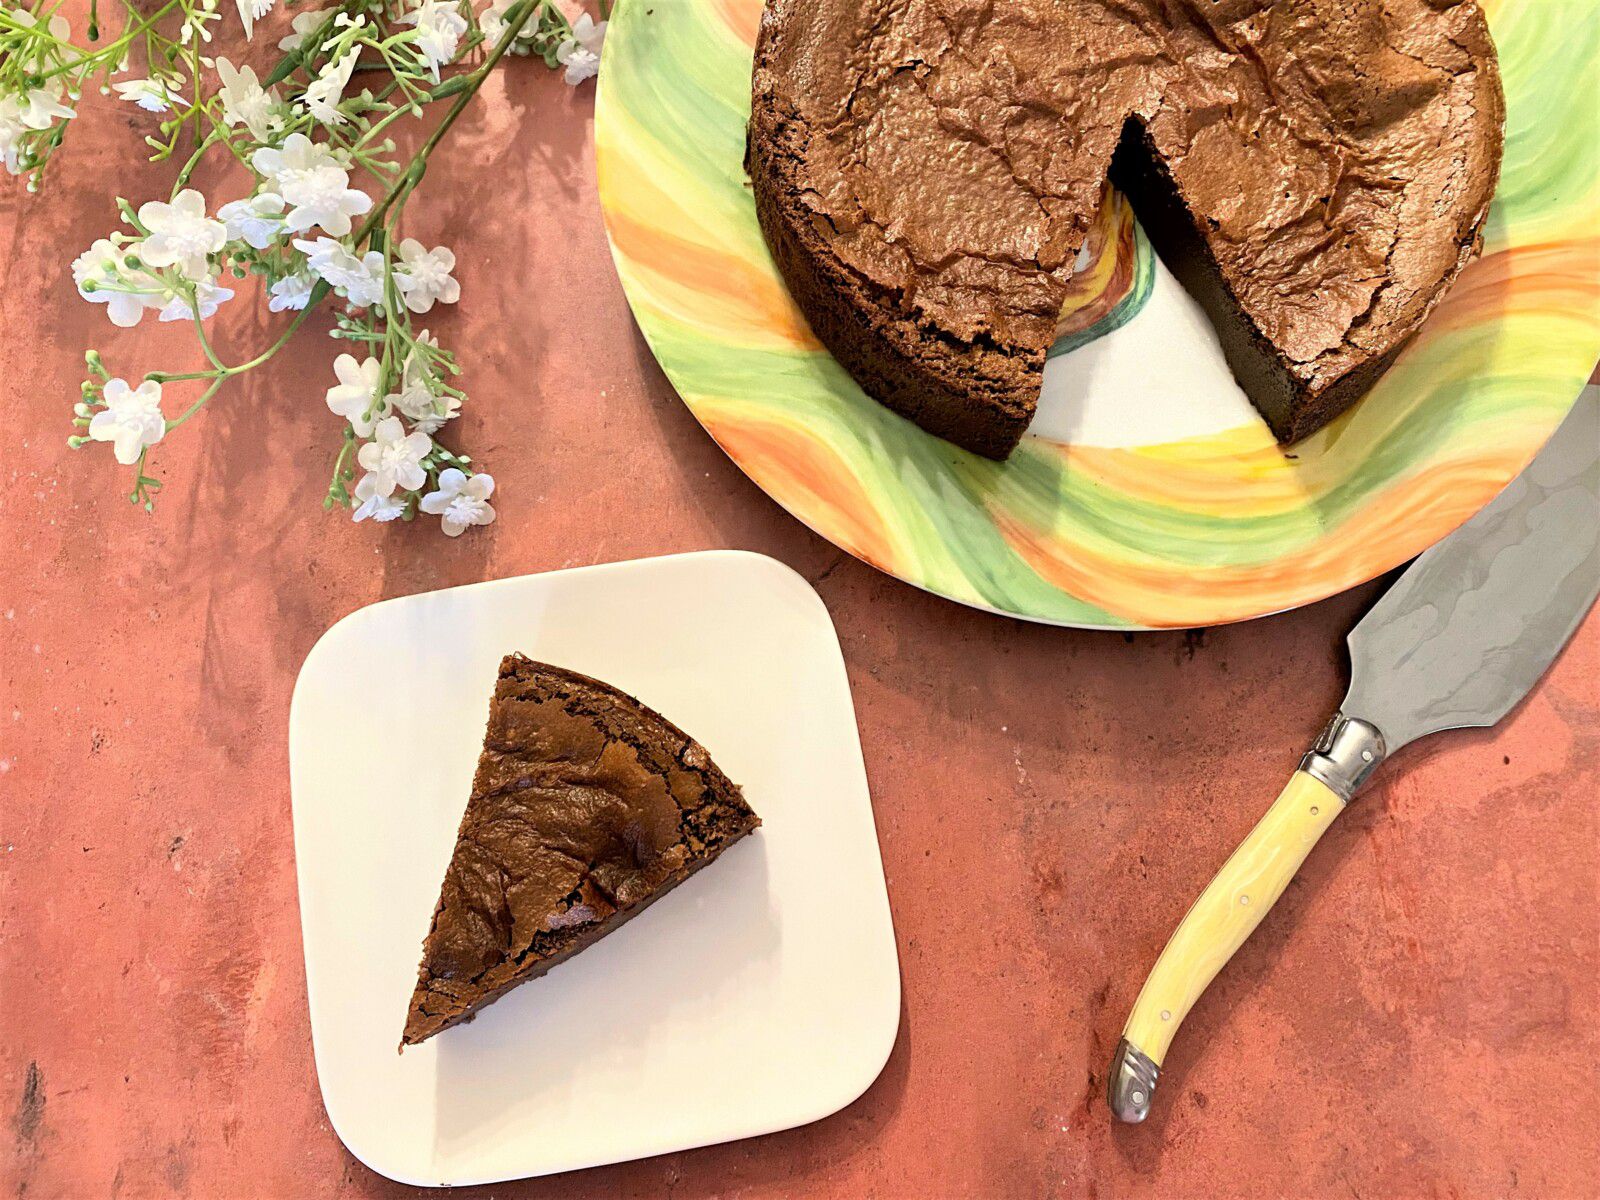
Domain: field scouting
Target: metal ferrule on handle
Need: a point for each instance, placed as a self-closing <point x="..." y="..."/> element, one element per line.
<point x="1346" y="753"/>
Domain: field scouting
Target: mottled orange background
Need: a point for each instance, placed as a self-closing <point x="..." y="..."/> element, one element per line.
<point x="1417" y="1019"/>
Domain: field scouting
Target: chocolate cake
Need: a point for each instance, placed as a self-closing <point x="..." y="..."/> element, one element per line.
<point x="586" y="809"/>
<point x="1315" y="172"/>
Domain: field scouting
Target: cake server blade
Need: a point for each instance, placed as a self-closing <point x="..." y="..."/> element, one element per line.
<point x="1470" y="627"/>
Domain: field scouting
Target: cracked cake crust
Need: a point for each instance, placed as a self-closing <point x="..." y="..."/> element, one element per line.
<point x="586" y="808"/>
<point x="1316" y="172"/>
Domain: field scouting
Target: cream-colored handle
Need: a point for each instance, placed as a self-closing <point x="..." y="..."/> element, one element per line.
<point x="1226" y="913"/>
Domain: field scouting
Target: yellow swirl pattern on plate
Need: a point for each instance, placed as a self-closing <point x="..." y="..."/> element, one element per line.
<point x="1193" y="532"/>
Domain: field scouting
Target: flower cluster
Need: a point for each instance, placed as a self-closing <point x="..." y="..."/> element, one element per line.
<point x="39" y="84"/>
<point x="319" y="223"/>
<point x="171" y="268"/>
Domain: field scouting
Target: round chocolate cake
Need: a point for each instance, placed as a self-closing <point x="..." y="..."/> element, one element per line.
<point x="1315" y="172"/>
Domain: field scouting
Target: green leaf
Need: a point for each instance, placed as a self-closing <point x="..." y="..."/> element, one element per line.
<point x="286" y="67"/>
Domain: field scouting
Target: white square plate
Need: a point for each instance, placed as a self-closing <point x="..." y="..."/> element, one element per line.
<point x="762" y="994"/>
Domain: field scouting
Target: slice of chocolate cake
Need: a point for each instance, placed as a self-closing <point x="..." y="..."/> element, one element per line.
<point x="1315" y="172"/>
<point x="587" y="808"/>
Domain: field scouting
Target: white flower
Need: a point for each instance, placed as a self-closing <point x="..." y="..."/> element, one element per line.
<point x="31" y="109"/>
<point x="104" y="276"/>
<point x="12" y="131"/>
<point x="434" y="415"/>
<point x="363" y="286"/>
<point x="304" y="25"/>
<point x="494" y="25"/>
<point x="423" y="275"/>
<point x="56" y="26"/>
<point x="298" y="154"/>
<point x="417" y="365"/>
<point x="395" y="457"/>
<point x="358" y="280"/>
<point x="257" y="220"/>
<point x="439" y="28"/>
<point x="245" y="102"/>
<point x="291" y="292"/>
<point x="131" y="419"/>
<point x="208" y="297"/>
<point x="580" y="64"/>
<point x="323" y="95"/>
<point x="379" y="508"/>
<point x="418" y="396"/>
<point x="251" y="11"/>
<point x="460" y="501"/>
<point x="152" y="95"/>
<point x="42" y="107"/>
<point x="313" y="183"/>
<point x="492" y="20"/>
<point x="415" y="401"/>
<point x="580" y="53"/>
<point x="355" y="398"/>
<point x="588" y="34"/>
<point x="181" y="235"/>
<point x="328" y="258"/>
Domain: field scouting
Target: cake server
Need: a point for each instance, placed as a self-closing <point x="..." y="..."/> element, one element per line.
<point x="1458" y="640"/>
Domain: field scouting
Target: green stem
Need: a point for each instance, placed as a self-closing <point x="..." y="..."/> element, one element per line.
<point x="108" y="52"/>
<point x="194" y="75"/>
<point x="165" y="377"/>
<point x="223" y="373"/>
<point x="381" y="124"/>
<point x="283" y="340"/>
<point x="198" y="404"/>
<point x="205" y="342"/>
<point x="194" y="160"/>
<point x="419" y="161"/>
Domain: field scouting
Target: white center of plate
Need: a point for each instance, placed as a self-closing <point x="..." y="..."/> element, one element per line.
<point x="1160" y="378"/>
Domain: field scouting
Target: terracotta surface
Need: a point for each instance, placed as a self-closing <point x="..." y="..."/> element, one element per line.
<point x="1417" y="1018"/>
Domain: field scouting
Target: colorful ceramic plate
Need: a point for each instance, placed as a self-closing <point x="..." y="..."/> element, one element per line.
<point x="1147" y="494"/>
